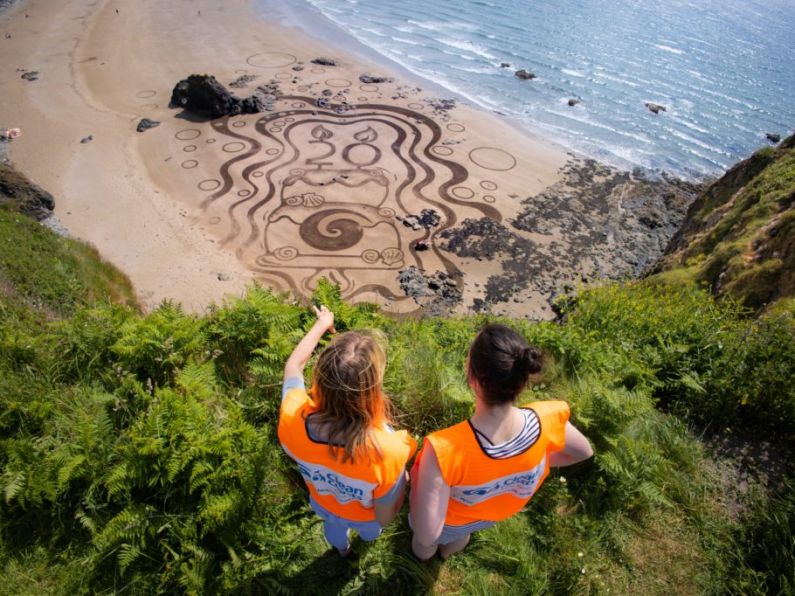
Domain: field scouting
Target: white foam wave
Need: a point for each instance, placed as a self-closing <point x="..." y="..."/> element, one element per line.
<point x="411" y="42"/>
<point x="573" y="73"/>
<point x="666" y="48"/>
<point x="467" y="46"/>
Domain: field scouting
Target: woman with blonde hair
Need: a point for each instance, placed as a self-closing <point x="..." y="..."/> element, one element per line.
<point x="339" y="433"/>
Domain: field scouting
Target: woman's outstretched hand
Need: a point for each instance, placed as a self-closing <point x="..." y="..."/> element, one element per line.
<point x="325" y="318"/>
<point x="294" y="367"/>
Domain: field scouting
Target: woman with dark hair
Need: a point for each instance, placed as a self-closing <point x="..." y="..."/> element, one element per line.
<point x="485" y="469"/>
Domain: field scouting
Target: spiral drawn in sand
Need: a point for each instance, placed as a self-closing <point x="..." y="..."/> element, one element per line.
<point x="312" y="193"/>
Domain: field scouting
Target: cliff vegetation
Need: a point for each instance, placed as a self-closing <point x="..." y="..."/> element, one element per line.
<point x="138" y="452"/>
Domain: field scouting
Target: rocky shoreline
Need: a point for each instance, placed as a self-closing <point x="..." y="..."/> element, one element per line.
<point x="597" y="223"/>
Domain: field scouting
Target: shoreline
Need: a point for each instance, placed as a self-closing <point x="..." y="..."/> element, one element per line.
<point x="366" y="184"/>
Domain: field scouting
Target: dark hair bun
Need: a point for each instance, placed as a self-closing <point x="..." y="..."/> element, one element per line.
<point x="501" y="361"/>
<point x="528" y="362"/>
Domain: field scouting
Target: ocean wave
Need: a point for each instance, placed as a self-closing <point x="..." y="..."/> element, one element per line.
<point x="666" y="48"/>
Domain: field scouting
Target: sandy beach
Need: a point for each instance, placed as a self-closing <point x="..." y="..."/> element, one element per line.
<point x="194" y="210"/>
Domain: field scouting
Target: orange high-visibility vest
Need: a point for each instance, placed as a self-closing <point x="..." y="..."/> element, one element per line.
<point x="345" y="489"/>
<point x="483" y="488"/>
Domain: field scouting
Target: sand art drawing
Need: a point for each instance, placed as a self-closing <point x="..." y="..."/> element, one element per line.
<point x="305" y="193"/>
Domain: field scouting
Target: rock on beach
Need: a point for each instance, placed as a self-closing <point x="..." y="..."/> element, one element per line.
<point x="204" y="96"/>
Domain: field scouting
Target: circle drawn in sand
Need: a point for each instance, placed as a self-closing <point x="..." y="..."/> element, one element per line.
<point x="456" y="127"/>
<point x="188" y="134"/>
<point x="149" y="106"/>
<point x="338" y="83"/>
<point x="257" y="174"/>
<point x="442" y="150"/>
<point x="271" y="151"/>
<point x="215" y="220"/>
<point x="462" y="192"/>
<point x="189" y="148"/>
<point x="303" y="88"/>
<point x="146" y="94"/>
<point x="361" y="99"/>
<point x="488" y="185"/>
<point x="271" y="60"/>
<point x="368" y="88"/>
<point x="416" y="106"/>
<point x="243" y="193"/>
<point x="491" y="158"/>
<point x="189" y="164"/>
<point x="489" y="199"/>
<point x="298" y="104"/>
<point x="289" y="119"/>
<point x="275" y="129"/>
<point x="318" y="70"/>
<point x="210" y="141"/>
<point x="283" y="76"/>
<point x="234" y="147"/>
<point x="239" y="124"/>
<point x="209" y="184"/>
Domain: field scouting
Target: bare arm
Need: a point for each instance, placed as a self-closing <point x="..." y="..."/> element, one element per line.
<point x="294" y="367"/>
<point x="386" y="512"/>
<point x="428" y="507"/>
<point x="576" y="450"/>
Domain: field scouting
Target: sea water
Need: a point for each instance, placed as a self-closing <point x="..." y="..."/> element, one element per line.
<point x="723" y="69"/>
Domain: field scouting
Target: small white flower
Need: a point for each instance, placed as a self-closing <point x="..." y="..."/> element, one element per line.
<point x="563" y="480"/>
<point x="582" y="571"/>
<point x="580" y="554"/>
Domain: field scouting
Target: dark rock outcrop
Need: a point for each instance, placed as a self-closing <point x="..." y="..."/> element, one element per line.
<point x="87" y="139"/>
<point x="146" y="124"/>
<point x="23" y="195"/>
<point x="655" y="107"/>
<point x="204" y="96"/>
<point x="505" y="64"/>
<point x="323" y="61"/>
<point x="573" y="102"/>
<point x="31" y="75"/>
<point x="370" y="79"/>
<point x="773" y="137"/>
<point x="524" y="75"/>
<point x="436" y="293"/>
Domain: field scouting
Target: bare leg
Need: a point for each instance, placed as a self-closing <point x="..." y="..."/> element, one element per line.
<point x="450" y="549"/>
<point x="421" y="551"/>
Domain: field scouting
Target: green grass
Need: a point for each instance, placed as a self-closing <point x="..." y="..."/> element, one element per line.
<point x="138" y="453"/>
<point x="738" y="238"/>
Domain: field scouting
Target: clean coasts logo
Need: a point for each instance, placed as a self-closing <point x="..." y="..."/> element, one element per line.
<point x="521" y="485"/>
<point x="343" y="488"/>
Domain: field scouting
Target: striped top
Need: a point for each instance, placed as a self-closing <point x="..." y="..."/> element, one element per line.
<point x="526" y="438"/>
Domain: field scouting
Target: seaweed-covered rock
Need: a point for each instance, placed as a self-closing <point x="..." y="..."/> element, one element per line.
<point x="655" y="108"/>
<point x="25" y="196"/>
<point x="371" y="79"/>
<point x="323" y="61"/>
<point x="524" y="75"/>
<point x="204" y="96"/>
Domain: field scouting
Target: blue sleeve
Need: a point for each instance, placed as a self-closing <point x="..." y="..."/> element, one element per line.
<point x="292" y="383"/>
<point x="393" y="493"/>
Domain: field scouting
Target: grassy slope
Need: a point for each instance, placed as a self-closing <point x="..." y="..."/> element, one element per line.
<point x="740" y="233"/>
<point x="138" y="453"/>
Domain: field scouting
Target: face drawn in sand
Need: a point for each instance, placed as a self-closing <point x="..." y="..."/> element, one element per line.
<point x="310" y="192"/>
